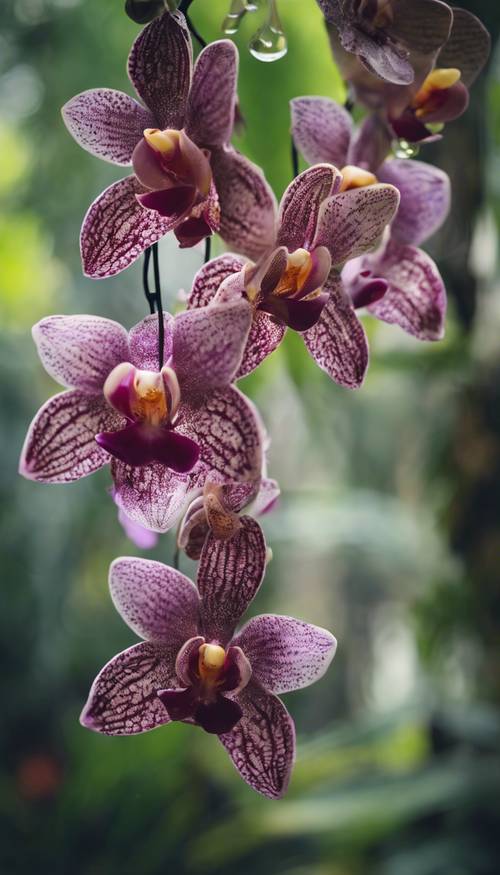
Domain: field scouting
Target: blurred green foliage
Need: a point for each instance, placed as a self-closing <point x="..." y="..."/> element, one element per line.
<point x="388" y="530"/>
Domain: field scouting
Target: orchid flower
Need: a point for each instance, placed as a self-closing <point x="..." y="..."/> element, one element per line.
<point x="400" y="283"/>
<point x="216" y="509"/>
<point x="321" y="224"/>
<point x="187" y="178"/>
<point x="163" y="429"/>
<point x="192" y="667"/>
<point x="393" y="39"/>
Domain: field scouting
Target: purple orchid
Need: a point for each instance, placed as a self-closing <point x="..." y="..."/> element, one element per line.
<point x="192" y="666"/>
<point x="296" y="282"/>
<point x="187" y="178"/>
<point x="393" y="39"/>
<point x="400" y="283"/>
<point x="164" y="430"/>
<point x="216" y="509"/>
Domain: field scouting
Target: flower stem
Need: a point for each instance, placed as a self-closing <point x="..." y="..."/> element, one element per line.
<point x="295" y="159"/>
<point x="183" y="7"/>
<point x="159" y="305"/>
<point x="208" y="248"/>
<point x="150" y="296"/>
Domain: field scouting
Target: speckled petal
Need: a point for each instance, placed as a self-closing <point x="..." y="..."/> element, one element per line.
<point x="425" y="198"/>
<point x="265" y="336"/>
<point x="107" y="123"/>
<point x="159" y="66"/>
<point x="247" y="203"/>
<point x="338" y="342"/>
<point x="208" y="344"/>
<point x="152" y="495"/>
<point x="468" y="46"/>
<point x="143" y="341"/>
<point x="123" y="699"/>
<point x="353" y="222"/>
<point x="229" y="575"/>
<point x="116" y="229"/>
<point x="60" y="445"/>
<point x="262" y="744"/>
<point x="209" y="278"/>
<point x="301" y="204"/>
<point x="416" y="297"/>
<point x="321" y="129"/>
<point x="266" y="498"/>
<point x="285" y="654"/>
<point x="80" y="351"/>
<point x="212" y="99"/>
<point x="157" y="602"/>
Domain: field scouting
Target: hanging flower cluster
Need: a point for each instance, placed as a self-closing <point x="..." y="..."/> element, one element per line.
<point x="158" y="403"/>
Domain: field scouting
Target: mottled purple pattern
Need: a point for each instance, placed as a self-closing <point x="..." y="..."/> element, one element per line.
<point x="247" y="202"/>
<point x="338" y="342"/>
<point x="142" y="537"/>
<point x="158" y="603"/>
<point x="152" y="496"/>
<point x="425" y="198"/>
<point x="266" y="497"/>
<point x="229" y="575"/>
<point x="209" y="278"/>
<point x="212" y="98"/>
<point x="301" y="203"/>
<point x="123" y="700"/>
<point x="116" y="229"/>
<point x="468" y="46"/>
<point x="285" y="654"/>
<point x="60" y="445"/>
<point x="321" y="130"/>
<point x="265" y="336"/>
<point x="208" y="345"/>
<point x="80" y="351"/>
<point x="143" y="342"/>
<point x="159" y="67"/>
<point x="416" y="297"/>
<point x="352" y="222"/>
<point x="262" y="744"/>
<point x="107" y="123"/>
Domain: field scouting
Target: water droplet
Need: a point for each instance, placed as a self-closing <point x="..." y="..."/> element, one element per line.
<point x="404" y="149"/>
<point x="269" y="43"/>
<point x="233" y="18"/>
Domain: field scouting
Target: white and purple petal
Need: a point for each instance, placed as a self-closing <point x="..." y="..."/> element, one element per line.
<point x="123" y="699"/>
<point x="157" y="602"/>
<point x="338" y="341"/>
<point x="285" y="654"/>
<point x="60" y="445"/>
<point x="247" y="203"/>
<point x="117" y="229"/>
<point x="212" y="98"/>
<point x="321" y="130"/>
<point x="143" y="342"/>
<point x="265" y="336"/>
<point x="151" y="495"/>
<point x="80" y="351"/>
<point x="107" y="123"/>
<point x="229" y="576"/>
<point x="262" y="744"/>
<point x="211" y="276"/>
<point x="301" y="203"/>
<point x="160" y="66"/>
<point x="425" y="198"/>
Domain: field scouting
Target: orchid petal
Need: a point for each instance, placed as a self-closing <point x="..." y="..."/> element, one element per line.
<point x="266" y="498"/>
<point x="285" y="654"/>
<point x="123" y="699"/>
<point x="142" y="537"/>
<point x="143" y="341"/>
<point x="416" y="297"/>
<point x="210" y="277"/>
<point x="212" y="99"/>
<point x="468" y="46"/>
<point x="107" y="123"/>
<point x="425" y="198"/>
<point x="321" y="130"/>
<point x="208" y="344"/>
<point x="370" y="145"/>
<point x="262" y="744"/>
<point x="60" y="445"/>
<point x="352" y="222"/>
<point x="159" y="67"/>
<point x="151" y="495"/>
<point x="422" y="26"/>
<point x="338" y="342"/>
<point x="229" y="576"/>
<point x="247" y="203"/>
<point x="157" y="602"/>
<point x="80" y="351"/>
<point x="265" y="336"/>
<point x="301" y="204"/>
<point x="117" y="229"/>
<point x="139" y="444"/>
